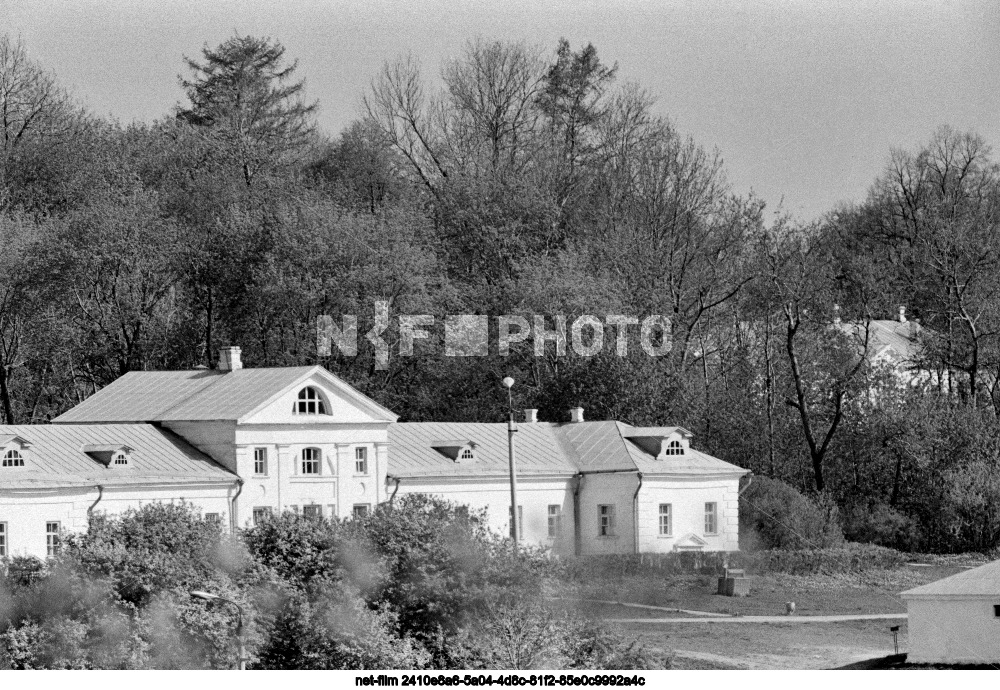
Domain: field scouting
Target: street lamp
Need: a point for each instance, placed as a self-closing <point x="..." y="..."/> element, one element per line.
<point x="208" y="596"/>
<point x="515" y="531"/>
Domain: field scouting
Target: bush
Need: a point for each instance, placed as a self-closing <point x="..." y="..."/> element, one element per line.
<point x="773" y="515"/>
<point x="880" y="524"/>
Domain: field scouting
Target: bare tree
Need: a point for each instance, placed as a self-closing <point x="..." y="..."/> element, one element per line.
<point x="32" y="105"/>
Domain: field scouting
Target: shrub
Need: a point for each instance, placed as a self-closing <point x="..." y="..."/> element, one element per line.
<point x="773" y="515"/>
<point x="883" y="525"/>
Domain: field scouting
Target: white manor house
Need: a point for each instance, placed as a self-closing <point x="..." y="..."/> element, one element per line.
<point x="239" y="443"/>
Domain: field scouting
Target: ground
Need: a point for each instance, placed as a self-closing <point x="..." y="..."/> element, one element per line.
<point x="724" y="641"/>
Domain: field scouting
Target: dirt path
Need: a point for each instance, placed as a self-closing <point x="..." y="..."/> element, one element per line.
<point x="767" y="619"/>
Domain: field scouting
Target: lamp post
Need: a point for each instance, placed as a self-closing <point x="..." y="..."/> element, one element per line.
<point x="515" y="530"/>
<point x="241" y="649"/>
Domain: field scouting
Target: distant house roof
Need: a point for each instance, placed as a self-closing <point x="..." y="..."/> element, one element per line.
<point x="198" y="395"/>
<point x="903" y="338"/>
<point x="62" y="456"/>
<point x="981" y="581"/>
<point x="541" y="448"/>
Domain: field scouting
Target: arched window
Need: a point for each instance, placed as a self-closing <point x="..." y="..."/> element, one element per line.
<point x="13" y="458"/>
<point x="310" y="402"/>
<point x="311" y="458"/>
<point x="120" y="459"/>
<point x="675" y="448"/>
<point x="467" y="454"/>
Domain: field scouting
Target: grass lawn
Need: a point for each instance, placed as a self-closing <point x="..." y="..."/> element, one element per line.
<point x="760" y="645"/>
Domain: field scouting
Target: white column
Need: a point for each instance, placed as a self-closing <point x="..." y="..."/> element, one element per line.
<point x="380" y="471"/>
<point x="344" y="470"/>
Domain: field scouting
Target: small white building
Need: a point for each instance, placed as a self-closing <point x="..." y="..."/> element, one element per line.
<point x="241" y="443"/>
<point x="956" y="620"/>
<point x="583" y="487"/>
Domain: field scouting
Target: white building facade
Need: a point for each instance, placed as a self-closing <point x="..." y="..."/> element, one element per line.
<point x="956" y="620"/>
<point x="243" y="443"/>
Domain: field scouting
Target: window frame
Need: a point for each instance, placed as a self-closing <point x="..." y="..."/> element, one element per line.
<point x="310" y="401"/>
<point x="361" y="460"/>
<point x="260" y="461"/>
<point x="361" y="510"/>
<point x="675" y="447"/>
<point x="215" y="518"/>
<point x="13" y="458"/>
<point x="606" y="520"/>
<point x="52" y="540"/>
<point x="711" y="518"/>
<point x="312" y="511"/>
<point x="260" y="510"/>
<point x="466" y="454"/>
<point x="554" y="520"/>
<point x="120" y="459"/>
<point x="317" y="462"/>
<point x="669" y="514"/>
<point x="3" y="540"/>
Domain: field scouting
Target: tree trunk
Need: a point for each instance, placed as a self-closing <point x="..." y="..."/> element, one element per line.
<point x="8" y="410"/>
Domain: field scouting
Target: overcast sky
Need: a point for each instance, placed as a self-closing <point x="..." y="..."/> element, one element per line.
<point x="804" y="99"/>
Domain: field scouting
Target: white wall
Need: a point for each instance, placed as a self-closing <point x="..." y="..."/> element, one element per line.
<point x="962" y="631"/>
<point x="338" y="487"/>
<point x="214" y="439"/>
<point x="617" y="490"/>
<point x="27" y="512"/>
<point x="534" y="495"/>
<point x="687" y="497"/>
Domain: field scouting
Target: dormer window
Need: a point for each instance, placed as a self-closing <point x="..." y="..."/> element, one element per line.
<point x="13" y="458"/>
<point x="310" y="402"/>
<point x="674" y="448"/>
<point x="112" y="455"/>
<point x="459" y="450"/>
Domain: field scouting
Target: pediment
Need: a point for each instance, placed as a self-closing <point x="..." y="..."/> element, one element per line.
<point x="338" y="403"/>
<point x="690" y="542"/>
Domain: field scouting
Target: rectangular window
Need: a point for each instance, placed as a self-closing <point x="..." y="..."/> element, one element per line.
<point x="360" y="510"/>
<point x="260" y="514"/>
<point x="310" y="460"/>
<point x="996" y="610"/>
<point x="555" y="520"/>
<point x="606" y="520"/>
<point x="260" y="461"/>
<point x="520" y="521"/>
<point x="666" y="520"/>
<point x="214" y="518"/>
<point x="51" y="538"/>
<point x="711" y="518"/>
<point x="312" y="511"/>
<point x="360" y="461"/>
<point x="3" y="539"/>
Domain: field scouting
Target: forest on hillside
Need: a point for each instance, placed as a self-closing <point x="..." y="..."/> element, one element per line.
<point x="512" y="180"/>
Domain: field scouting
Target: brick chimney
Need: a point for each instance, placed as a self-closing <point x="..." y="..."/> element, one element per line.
<point x="530" y="415"/>
<point x="902" y="313"/>
<point x="576" y="414"/>
<point x="229" y="358"/>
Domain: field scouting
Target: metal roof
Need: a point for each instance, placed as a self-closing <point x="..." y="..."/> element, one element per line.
<point x="199" y="395"/>
<point x="541" y="448"/>
<point x="57" y="457"/>
<point x="903" y="337"/>
<point x="412" y="451"/>
<point x="981" y="581"/>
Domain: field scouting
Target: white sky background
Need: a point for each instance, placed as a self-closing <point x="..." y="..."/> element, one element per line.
<point x="803" y="98"/>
